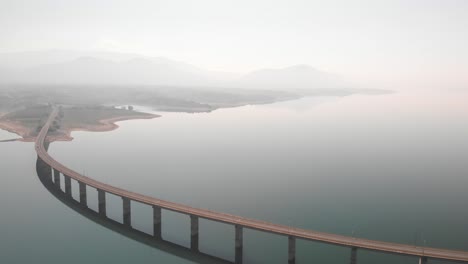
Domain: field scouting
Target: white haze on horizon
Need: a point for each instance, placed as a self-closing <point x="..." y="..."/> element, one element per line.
<point x="66" y="67"/>
<point x="382" y="44"/>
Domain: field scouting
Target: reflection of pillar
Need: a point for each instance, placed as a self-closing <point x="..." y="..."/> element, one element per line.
<point x="353" y="255"/>
<point x="48" y="170"/>
<point x="157" y="221"/>
<point x="127" y="218"/>
<point x="194" y="232"/>
<point x="83" y="199"/>
<point x="67" y="185"/>
<point x="57" y="178"/>
<point x="291" y="250"/>
<point x="422" y="260"/>
<point x="44" y="170"/>
<point x="101" y="202"/>
<point x="238" y="244"/>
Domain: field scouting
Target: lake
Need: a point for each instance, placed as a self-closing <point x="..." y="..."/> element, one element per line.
<point x="388" y="167"/>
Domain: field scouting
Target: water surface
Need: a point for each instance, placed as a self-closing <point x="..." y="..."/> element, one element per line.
<point x="388" y="167"/>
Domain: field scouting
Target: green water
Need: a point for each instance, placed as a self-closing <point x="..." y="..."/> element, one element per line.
<point x="389" y="167"/>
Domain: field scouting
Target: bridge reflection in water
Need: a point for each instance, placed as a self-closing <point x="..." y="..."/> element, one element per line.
<point x="53" y="186"/>
<point x="50" y="170"/>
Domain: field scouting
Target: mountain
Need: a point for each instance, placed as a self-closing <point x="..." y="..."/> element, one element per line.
<point x="90" y="70"/>
<point x="111" y="68"/>
<point x="103" y="68"/>
<point x="29" y="59"/>
<point x="297" y="77"/>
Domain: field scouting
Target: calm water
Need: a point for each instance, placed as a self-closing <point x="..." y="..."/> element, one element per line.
<point x="388" y="167"/>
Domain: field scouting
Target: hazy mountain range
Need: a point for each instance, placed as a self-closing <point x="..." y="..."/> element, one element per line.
<point x="108" y="68"/>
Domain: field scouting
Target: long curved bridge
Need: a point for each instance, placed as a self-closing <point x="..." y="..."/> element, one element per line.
<point x="423" y="253"/>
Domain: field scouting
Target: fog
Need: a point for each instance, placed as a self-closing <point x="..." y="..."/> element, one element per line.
<point x="373" y="44"/>
<point x="114" y="68"/>
<point x="347" y="118"/>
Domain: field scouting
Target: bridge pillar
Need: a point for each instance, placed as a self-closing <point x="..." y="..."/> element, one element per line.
<point x="157" y="222"/>
<point x="353" y="259"/>
<point x="83" y="198"/>
<point x="127" y="217"/>
<point x="239" y="244"/>
<point x="194" y="232"/>
<point x="422" y="260"/>
<point x="101" y="202"/>
<point x="291" y="250"/>
<point x="57" y="178"/>
<point x="68" y="189"/>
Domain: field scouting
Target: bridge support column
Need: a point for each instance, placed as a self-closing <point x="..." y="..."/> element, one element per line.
<point x="239" y="244"/>
<point x="157" y="222"/>
<point x="353" y="259"/>
<point x="291" y="250"/>
<point x="194" y="232"/>
<point x="127" y="216"/>
<point x="68" y="189"/>
<point x="57" y="178"/>
<point x="83" y="198"/>
<point x="422" y="260"/>
<point x="101" y="202"/>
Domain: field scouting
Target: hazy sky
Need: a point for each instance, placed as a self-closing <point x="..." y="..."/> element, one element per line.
<point x="407" y="42"/>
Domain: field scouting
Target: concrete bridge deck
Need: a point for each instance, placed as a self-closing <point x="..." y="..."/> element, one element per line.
<point x="423" y="253"/>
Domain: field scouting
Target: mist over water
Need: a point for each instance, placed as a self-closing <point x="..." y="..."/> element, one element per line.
<point x="388" y="167"/>
<point x="345" y="117"/>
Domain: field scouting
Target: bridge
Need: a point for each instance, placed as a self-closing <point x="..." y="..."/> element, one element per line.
<point x="239" y="223"/>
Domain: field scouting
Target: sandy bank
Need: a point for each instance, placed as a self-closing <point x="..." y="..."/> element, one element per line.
<point x="103" y="125"/>
<point x="15" y="127"/>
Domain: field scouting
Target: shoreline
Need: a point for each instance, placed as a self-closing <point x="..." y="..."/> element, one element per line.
<point x="15" y="128"/>
<point x="103" y="125"/>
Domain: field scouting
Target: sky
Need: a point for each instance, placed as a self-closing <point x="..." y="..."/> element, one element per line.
<point x="396" y="42"/>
